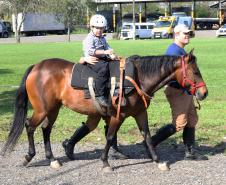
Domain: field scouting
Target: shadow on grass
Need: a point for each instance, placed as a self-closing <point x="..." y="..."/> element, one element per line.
<point x="5" y="71"/>
<point x="7" y="99"/>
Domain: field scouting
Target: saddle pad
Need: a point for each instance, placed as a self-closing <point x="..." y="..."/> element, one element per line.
<point x="81" y="73"/>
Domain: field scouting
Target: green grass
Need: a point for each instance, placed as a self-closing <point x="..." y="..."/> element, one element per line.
<point x="14" y="60"/>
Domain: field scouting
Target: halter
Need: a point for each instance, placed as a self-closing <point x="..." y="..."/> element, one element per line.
<point x="194" y="86"/>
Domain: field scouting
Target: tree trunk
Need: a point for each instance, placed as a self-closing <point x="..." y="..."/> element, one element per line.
<point x="17" y="36"/>
<point x="69" y="34"/>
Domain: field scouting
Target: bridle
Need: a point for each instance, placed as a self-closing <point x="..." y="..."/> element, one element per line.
<point x="193" y="86"/>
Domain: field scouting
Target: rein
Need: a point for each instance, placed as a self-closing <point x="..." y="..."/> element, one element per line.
<point x="194" y="86"/>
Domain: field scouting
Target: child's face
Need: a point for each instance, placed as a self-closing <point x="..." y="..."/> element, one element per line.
<point x="97" y="31"/>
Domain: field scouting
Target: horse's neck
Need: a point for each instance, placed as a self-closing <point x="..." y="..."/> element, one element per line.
<point x="157" y="82"/>
<point x="162" y="83"/>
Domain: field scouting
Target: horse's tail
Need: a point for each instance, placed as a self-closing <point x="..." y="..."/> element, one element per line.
<point x="20" y="115"/>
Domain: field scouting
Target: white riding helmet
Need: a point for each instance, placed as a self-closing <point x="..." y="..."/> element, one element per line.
<point x="98" y="21"/>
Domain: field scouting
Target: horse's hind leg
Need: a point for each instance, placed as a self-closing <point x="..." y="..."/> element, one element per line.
<point x="31" y="124"/>
<point x="46" y="130"/>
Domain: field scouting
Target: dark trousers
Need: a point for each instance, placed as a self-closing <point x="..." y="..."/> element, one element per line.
<point x="102" y="70"/>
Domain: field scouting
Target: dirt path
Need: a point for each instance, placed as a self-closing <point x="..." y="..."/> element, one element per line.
<point x="136" y="170"/>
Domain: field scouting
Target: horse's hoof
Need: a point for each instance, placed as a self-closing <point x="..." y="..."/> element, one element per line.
<point x="25" y="162"/>
<point x="107" y="169"/>
<point x="163" y="166"/>
<point x="55" y="164"/>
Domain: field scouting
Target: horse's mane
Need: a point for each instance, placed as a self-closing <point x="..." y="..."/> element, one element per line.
<point x="150" y="65"/>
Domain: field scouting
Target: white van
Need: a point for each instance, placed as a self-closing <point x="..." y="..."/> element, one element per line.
<point x="142" y="31"/>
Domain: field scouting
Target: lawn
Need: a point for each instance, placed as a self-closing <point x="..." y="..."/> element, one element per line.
<point x="15" y="58"/>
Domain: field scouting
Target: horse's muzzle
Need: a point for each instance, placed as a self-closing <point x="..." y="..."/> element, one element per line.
<point x="201" y="93"/>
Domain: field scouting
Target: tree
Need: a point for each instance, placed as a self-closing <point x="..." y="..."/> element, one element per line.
<point x="22" y="6"/>
<point x="70" y="12"/>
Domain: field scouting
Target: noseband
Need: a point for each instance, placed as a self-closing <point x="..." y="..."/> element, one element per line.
<point x="193" y="86"/>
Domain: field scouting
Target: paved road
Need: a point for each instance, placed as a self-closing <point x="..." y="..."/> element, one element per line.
<point x="80" y="37"/>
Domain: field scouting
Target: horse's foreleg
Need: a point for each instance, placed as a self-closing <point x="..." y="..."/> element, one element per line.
<point x="114" y="125"/>
<point x="142" y="123"/>
<point x="115" y="152"/>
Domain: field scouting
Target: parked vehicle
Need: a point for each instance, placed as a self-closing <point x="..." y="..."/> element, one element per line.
<point x="199" y="22"/>
<point x="39" y="24"/>
<point x="221" y="31"/>
<point x="188" y="21"/>
<point x="206" y="23"/>
<point x="142" y="30"/>
<point x="164" y="27"/>
<point x="8" y="25"/>
<point x="3" y="31"/>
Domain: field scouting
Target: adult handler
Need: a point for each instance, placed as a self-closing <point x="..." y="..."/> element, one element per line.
<point x="184" y="114"/>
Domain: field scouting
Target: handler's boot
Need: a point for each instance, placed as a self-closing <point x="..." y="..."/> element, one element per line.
<point x="69" y="144"/>
<point x="189" y="142"/>
<point x="162" y="134"/>
<point x="115" y="152"/>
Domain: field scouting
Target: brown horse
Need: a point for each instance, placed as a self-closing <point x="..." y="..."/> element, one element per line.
<point x="47" y="86"/>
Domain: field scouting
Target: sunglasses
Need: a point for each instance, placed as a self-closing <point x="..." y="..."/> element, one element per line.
<point x="186" y="33"/>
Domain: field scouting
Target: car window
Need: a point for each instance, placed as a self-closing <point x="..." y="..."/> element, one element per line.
<point x="150" y="26"/>
<point x="160" y="24"/>
<point x="143" y="27"/>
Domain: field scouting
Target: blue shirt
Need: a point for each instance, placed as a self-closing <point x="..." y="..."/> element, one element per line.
<point x="175" y="50"/>
<point x="93" y="43"/>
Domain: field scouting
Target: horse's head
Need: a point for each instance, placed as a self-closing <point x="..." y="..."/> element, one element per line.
<point x="189" y="76"/>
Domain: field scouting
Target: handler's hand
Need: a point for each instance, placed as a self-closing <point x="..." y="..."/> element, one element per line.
<point x="109" y="52"/>
<point x="113" y="57"/>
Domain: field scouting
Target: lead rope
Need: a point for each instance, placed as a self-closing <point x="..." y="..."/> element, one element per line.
<point x="198" y="104"/>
